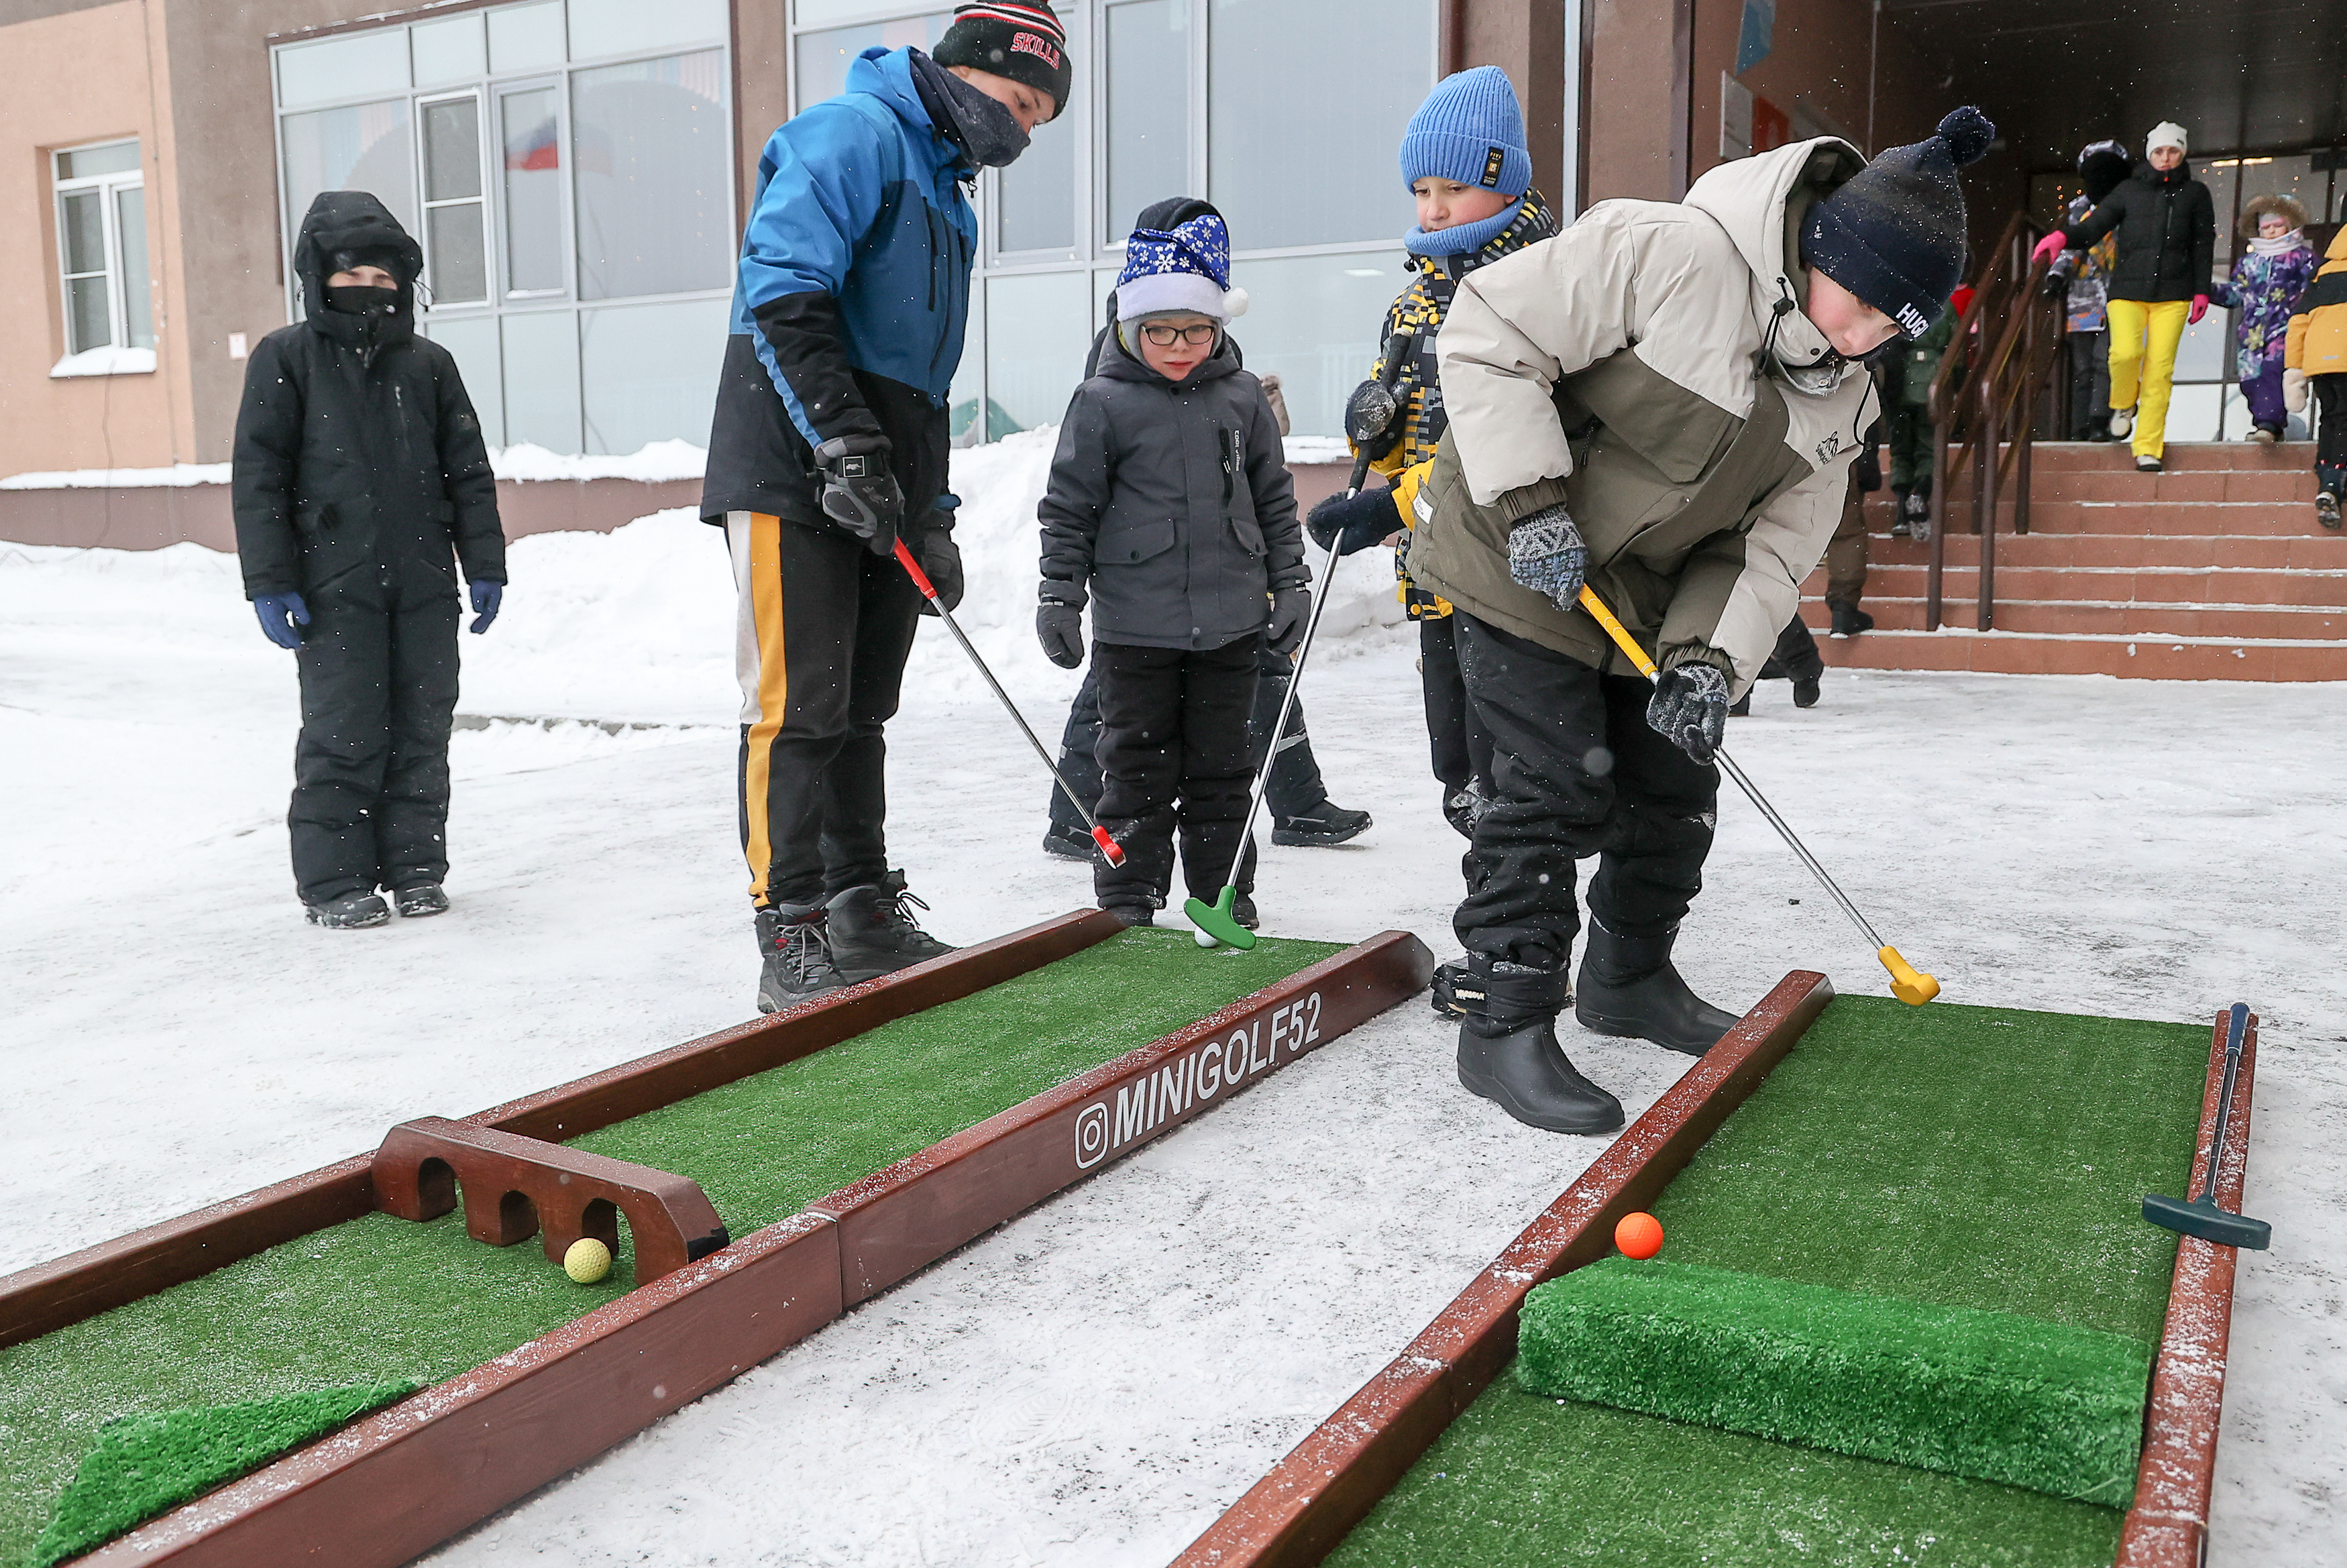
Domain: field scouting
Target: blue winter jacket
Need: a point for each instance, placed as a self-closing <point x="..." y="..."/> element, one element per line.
<point x="851" y="299"/>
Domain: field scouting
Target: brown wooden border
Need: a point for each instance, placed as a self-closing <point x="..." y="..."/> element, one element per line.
<point x="1328" y="1482"/>
<point x="2167" y="1526"/>
<point x="49" y="1296"/>
<point x="899" y="1221"/>
<point x="400" y="1482"/>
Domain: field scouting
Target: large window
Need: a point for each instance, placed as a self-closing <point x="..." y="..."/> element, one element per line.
<point x="109" y="308"/>
<point x="1212" y="97"/>
<point x="567" y="166"/>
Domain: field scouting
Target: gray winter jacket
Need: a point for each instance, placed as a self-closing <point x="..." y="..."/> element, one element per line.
<point x="1170" y="504"/>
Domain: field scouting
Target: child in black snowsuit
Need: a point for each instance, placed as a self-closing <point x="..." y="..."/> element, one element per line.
<point x="1171" y="511"/>
<point x="361" y="483"/>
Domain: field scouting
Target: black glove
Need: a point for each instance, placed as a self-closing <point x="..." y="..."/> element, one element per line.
<point x="1868" y="464"/>
<point x="940" y="558"/>
<point x="1689" y="709"/>
<point x="1060" y="628"/>
<point x="859" y="493"/>
<point x="1355" y="522"/>
<point x="1290" y="608"/>
<point x="1545" y="554"/>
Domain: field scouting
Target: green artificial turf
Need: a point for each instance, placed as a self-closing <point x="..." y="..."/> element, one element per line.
<point x="1948" y="1156"/>
<point x="144" y="1464"/>
<point x="1984" y="1394"/>
<point x="379" y="1299"/>
<point x="1958" y="1156"/>
<point x="1530" y="1483"/>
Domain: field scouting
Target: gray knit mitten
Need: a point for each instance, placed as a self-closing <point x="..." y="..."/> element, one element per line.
<point x="1545" y="554"/>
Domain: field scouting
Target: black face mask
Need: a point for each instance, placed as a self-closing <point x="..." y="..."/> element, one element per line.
<point x="986" y="132"/>
<point x="362" y="299"/>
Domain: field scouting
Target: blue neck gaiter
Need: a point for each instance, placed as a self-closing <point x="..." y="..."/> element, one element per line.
<point x="1460" y="239"/>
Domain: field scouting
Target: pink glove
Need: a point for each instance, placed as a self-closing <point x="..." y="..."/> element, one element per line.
<point x="2049" y="247"/>
<point x="2200" y="309"/>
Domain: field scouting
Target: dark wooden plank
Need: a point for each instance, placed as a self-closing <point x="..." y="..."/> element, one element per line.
<point x="896" y="1222"/>
<point x="400" y="1482"/>
<point x="2167" y="1524"/>
<point x="1328" y="1482"/>
<point x="49" y="1296"/>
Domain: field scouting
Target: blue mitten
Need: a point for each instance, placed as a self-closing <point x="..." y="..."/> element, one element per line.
<point x="1545" y="554"/>
<point x="488" y="595"/>
<point x="282" y="616"/>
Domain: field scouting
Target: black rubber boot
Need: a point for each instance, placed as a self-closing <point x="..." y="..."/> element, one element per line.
<point x="1806" y="690"/>
<point x="1742" y="707"/>
<point x="1509" y="1054"/>
<point x="1848" y="620"/>
<point x="414" y="903"/>
<point x="352" y="912"/>
<point x="1131" y="914"/>
<point x="795" y="950"/>
<point x="1629" y="988"/>
<point x="873" y="932"/>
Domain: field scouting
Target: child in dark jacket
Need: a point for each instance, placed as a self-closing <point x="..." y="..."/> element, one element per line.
<point x="1171" y="512"/>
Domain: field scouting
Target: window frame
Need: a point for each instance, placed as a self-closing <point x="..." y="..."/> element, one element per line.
<point x="107" y="188"/>
<point x="492" y="219"/>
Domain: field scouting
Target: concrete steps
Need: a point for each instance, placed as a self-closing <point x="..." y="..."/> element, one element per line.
<point x="2215" y="569"/>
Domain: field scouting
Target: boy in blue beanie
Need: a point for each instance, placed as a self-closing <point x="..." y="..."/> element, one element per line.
<point x="1663" y="401"/>
<point x="1192" y="566"/>
<point x="1465" y="161"/>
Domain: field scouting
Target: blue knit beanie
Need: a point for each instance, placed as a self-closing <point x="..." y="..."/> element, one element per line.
<point x="1894" y="234"/>
<point x="1187" y="268"/>
<point x="1469" y="129"/>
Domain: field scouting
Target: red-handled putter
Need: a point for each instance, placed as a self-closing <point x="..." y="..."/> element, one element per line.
<point x="1108" y="846"/>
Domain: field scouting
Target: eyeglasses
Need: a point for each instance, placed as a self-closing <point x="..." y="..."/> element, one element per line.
<point x="1196" y="336"/>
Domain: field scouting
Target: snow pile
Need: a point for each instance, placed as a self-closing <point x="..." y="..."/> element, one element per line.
<point x="178" y="474"/>
<point x="655" y="462"/>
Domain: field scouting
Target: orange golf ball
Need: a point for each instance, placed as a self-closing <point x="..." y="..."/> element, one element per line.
<point x="1639" y="1236"/>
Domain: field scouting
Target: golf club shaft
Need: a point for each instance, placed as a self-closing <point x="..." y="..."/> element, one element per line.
<point x="1288" y="702"/>
<point x="2236" y="1030"/>
<point x="1629" y="645"/>
<point x="929" y="591"/>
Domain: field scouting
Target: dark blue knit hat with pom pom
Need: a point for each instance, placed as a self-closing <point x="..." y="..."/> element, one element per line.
<point x="1894" y="235"/>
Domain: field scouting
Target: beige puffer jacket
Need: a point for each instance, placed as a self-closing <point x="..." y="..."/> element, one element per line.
<point x="1615" y="368"/>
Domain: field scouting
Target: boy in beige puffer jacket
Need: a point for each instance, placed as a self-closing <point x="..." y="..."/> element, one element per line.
<point x="1663" y="401"/>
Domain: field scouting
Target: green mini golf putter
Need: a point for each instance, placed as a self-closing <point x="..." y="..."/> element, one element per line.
<point x="1216" y="922"/>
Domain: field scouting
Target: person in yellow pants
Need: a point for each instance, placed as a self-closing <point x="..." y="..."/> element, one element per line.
<point x="2144" y="336"/>
<point x="2165" y="224"/>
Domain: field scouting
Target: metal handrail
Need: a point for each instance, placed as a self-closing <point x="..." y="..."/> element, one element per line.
<point x="1985" y="394"/>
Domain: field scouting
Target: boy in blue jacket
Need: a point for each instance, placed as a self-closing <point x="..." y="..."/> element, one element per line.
<point x="830" y="441"/>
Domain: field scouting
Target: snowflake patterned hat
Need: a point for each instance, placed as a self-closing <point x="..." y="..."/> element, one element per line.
<point x="1184" y="268"/>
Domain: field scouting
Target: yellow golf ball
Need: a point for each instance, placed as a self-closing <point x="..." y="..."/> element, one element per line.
<point x="586" y="1261"/>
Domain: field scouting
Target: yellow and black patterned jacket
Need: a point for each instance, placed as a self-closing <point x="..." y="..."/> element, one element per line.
<point x="1420" y="310"/>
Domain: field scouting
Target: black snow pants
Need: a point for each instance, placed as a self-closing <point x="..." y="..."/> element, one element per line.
<point x="1174" y="729"/>
<point x="1795" y="655"/>
<point x="825" y="626"/>
<point x="1296" y="785"/>
<point x="2330" y="433"/>
<point x="1576" y="771"/>
<point x="1462" y="750"/>
<point x="371" y="769"/>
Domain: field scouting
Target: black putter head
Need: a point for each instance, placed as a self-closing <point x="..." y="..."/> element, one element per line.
<point x="2206" y="1220"/>
<point x="1372" y="413"/>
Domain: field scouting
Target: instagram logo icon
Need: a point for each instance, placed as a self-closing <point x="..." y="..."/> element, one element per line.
<point x="1092" y="1134"/>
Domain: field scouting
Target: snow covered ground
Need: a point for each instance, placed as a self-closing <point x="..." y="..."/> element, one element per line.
<point x="1094" y="1382"/>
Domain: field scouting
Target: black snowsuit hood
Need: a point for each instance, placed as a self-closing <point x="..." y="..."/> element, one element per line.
<point x="360" y="469"/>
<point x="1170" y="504"/>
<point x="346" y="229"/>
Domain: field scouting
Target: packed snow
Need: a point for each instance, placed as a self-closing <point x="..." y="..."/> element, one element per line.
<point x="1095" y="1381"/>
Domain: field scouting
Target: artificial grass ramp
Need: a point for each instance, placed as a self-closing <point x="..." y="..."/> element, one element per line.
<point x="145" y="1464"/>
<point x="1989" y="1395"/>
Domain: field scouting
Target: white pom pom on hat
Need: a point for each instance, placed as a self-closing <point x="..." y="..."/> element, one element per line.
<point x="1235" y="301"/>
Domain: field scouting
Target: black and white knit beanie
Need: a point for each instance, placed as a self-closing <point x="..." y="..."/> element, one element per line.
<point x="1894" y="235"/>
<point x="1021" y="39"/>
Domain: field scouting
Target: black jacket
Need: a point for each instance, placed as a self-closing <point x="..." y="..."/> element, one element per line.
<point x="1171" y="505"/>
<point x="359" y="460"/>
<point x="2166" y="226"/>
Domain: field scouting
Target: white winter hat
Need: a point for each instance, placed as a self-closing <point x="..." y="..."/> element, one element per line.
<point x="2167" y="133"/>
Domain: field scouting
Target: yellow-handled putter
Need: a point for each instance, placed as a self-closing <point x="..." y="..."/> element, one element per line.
<point x="1908" y="984"/>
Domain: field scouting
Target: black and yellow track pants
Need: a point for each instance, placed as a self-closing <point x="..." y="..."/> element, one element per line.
<point x="822" y="634"/>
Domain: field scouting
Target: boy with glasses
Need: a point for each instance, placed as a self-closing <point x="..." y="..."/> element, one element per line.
<point x="1170" y="512"/>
